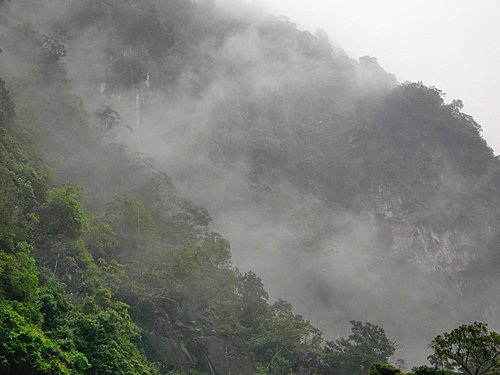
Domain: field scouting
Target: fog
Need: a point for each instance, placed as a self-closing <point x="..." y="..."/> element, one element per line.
<point x="449" y="44"/>
<point x="252" y="94"/>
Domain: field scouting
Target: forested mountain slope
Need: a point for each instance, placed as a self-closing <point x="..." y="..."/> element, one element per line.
<point x="350" y="194"/>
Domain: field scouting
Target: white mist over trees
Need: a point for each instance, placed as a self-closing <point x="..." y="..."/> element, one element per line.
<point x="352" y="196"/>
<point x="462" y="61"/>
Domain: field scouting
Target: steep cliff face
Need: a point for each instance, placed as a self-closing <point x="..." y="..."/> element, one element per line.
<point x="434" y="248"/>
<point x="444" y="252"/>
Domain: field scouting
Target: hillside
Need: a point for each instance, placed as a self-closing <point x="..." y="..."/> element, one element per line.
<point x="172" y="171"/>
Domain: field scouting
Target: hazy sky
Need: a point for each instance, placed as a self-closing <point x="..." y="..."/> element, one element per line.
<point x="451" y="44"/>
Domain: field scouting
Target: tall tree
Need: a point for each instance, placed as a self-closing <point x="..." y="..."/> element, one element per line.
<point x="367" y="345"/>
<point x="468" y="348"/>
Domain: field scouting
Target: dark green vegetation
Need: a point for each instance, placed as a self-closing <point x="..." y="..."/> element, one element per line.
<point x="105" y="268"/>
<point x="470" y="349"/>
<point x="62" y="309"/>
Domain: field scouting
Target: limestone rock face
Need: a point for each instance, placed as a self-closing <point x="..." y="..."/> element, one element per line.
<point x="436" y="245"/>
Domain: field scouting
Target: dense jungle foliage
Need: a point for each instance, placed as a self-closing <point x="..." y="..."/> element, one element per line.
<point x="106" y="268"/>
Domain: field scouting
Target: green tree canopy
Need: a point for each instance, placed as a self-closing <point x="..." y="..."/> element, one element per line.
<point x="367" y="345"/>
<point x="62" y="214"/>
<point x="254" y="298"/>
<point x="384" y="369"/>
<point x="470" y="349"/>
<point x="424" y="370"/>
